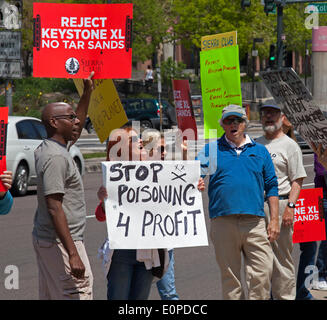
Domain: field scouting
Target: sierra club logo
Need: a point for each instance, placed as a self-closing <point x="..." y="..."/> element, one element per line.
<point x="72" y="65"/>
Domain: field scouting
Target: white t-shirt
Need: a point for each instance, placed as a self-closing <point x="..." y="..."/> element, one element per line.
<point x="149" y="74"/>
<point x="239" y="148"/>
<point x="287" y="158"/>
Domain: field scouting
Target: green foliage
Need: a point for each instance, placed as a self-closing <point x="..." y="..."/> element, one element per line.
<point x="33" y="113"/>
<point x="31" y="94"/>
<point x="152" y="20"/>
<point x="142" y="95"/>
<point x="294" y="26"/>
<point x="94" y="155"/>
<point x="171" y="70"/>
<point x="160" y="21"/>
<point x="198" y="18"/>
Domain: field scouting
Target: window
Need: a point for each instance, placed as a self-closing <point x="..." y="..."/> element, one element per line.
<point x="150" y="105"/>
<point x="25" y="130"/>
<point x="135" y="105"/>
<point x="39" y="127"/>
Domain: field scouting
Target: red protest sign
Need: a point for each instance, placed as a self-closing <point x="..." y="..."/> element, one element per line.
<point x="184" y="110"/>
<point x="309" y="222"/>
<point x="3" y="142"/>
<point x="71" y="40"/>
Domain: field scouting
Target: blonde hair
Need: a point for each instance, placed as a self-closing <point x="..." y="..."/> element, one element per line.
<point x="150" y="136"/>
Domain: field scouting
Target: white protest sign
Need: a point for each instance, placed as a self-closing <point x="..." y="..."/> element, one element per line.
<point x="154" y="204"/>
<point x="296" y="101"/>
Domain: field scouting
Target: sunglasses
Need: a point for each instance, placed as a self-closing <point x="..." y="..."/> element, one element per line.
<point x="233" y="121"/>
<point x="72" y="117"/>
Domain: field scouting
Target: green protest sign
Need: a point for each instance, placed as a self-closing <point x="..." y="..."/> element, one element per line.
<point x="221" y="86"/>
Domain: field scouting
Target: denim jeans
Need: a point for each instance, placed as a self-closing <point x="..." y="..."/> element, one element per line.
<point x="166" y="285"/>
<point x="307" y="258"/>
<point x="127" y="278"/>
<point x="321" y="262"/>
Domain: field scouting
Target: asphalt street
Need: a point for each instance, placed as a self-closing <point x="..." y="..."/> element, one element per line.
<point x="196" y="271"/>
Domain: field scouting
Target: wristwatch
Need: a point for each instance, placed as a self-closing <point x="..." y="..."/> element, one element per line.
<point x="291" y="205"/>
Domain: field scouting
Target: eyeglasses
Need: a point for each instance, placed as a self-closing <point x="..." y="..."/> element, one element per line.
<point x="233" y="121"/>
<point x="272" y="112"/>
<point x="72" y="117"/>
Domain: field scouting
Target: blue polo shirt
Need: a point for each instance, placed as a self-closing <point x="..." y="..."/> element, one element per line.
<point x="237" y="182"/>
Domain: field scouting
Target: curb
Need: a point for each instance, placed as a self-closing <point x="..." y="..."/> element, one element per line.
<point x="93" y="165"/>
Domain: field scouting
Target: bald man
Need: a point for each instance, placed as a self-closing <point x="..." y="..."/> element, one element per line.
<point x="59" y="222"/>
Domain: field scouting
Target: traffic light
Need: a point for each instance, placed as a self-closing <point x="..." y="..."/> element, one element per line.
<point x="287" y="57"/>
<point x="269" y="6"/>
<point x="272" y="56"/>
<point x="245" y="3"/>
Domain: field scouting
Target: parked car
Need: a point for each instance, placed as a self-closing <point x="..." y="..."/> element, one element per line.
<point x="24" y="135"/>
<point x="147" y="111"/>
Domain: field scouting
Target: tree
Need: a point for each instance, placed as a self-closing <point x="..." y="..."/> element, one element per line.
<point x="27" y="33"/>
<point x="152" y="21"/>
<point x="171" y="70"/>
<point x="198" y="18"/>
<point x="294" y="26"/>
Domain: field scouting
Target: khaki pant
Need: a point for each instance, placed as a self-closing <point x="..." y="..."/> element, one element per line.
<point x="232" y="236"/>
<point x="283" y="283"/>
<point x="55" y="279"/>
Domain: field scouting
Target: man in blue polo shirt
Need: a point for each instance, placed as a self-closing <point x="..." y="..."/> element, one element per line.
<point x="241" y="176"/>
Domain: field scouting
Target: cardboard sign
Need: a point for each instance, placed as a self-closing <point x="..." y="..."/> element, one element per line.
<point x="296" y="101"/>
<point x="309" y="221"/>
<point x="71" y="40"/>
<point x="3" y="142"/>
<point x="184" y="109"/>
<point x="105" y="109"/>
<point x="154" y="204"/>
<point x="219" y="40"/>
<point x="221" y="86"/>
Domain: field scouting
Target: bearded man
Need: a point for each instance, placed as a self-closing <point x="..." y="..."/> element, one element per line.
<point x="287" y="159"/>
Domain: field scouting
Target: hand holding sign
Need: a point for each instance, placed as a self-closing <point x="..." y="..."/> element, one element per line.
<point x="153" y="204"/>
<point x="102" y="193"/>
<point x="89" y="84"/>
<point x="6" y="179"/>
<point x="79" y="38"/>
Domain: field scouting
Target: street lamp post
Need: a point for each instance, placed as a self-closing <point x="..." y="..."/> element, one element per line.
<point x="279" y="35"/>
<point x="306" y="57"/>
<point x="254" y="55"/>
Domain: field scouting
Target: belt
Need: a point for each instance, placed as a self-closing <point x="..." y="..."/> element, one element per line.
<point x="285" y="197"/>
